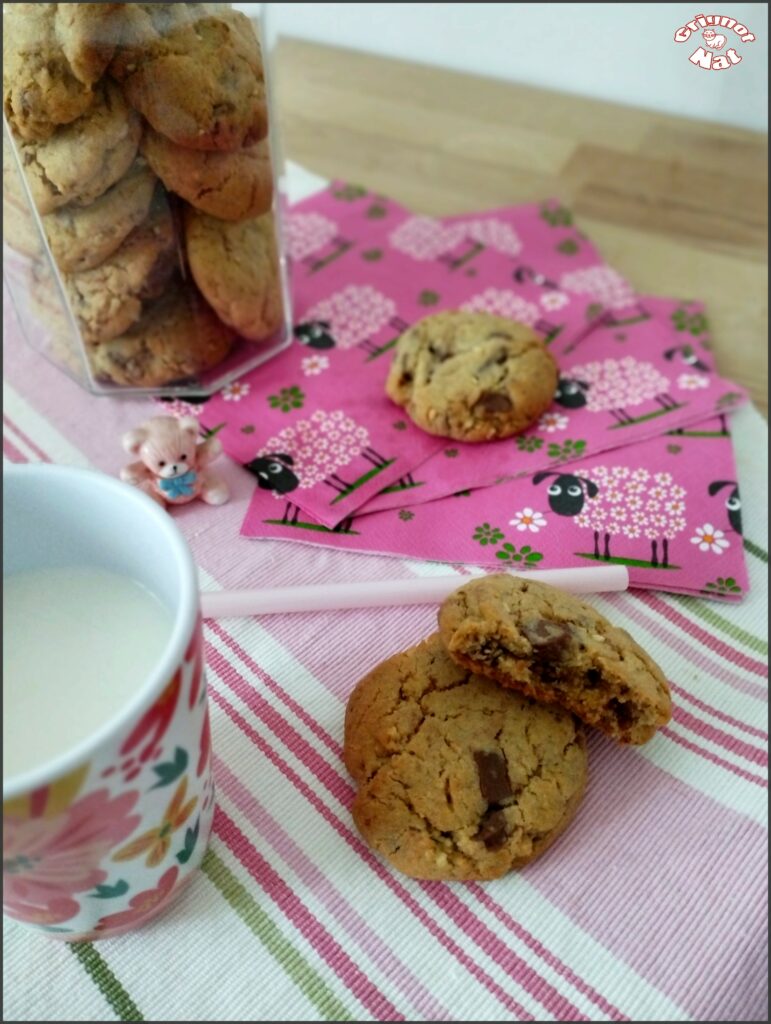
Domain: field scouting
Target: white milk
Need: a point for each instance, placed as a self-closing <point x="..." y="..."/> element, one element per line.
<point x="78" y="644"/>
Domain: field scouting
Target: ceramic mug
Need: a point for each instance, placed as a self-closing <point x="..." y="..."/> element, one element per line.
<point x="101" y="838"/>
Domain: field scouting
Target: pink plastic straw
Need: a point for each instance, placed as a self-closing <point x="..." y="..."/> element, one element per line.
<point x="225" y="604"/>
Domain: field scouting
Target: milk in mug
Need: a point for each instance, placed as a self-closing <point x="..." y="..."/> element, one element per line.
<point x="79" y="643"/>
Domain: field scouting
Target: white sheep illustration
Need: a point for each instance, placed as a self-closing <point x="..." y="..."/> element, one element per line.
<point x="501" y="302"/>
<point x="618" y="501"/>
<point x="306" y="233"/>
<point x="314" y="239"/>
<point x="425" y="238"/>
<point x="349" y="318"/>
<point x="713" y="39"/>
<point x="602" y="283"/>
<point x="310" y="452"/>
<point x="611" y="385"/>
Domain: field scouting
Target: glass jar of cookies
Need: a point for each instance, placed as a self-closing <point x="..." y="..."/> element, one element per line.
<point x="141" y="196"/>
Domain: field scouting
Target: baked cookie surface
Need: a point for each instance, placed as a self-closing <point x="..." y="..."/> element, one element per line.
<point x="458" y="778"/>
<point x="231" y="186"/>
<point x="472" y="376"/>
<point x="52" y="55"/>
<point x="177" y="338"/>
<point x="83" y="237"/>
<point x="236" y="267"/>
<point x="199" y="80"/>
<point x="19" y="228"/>
<point x="84" y="158"/>
<point x="108" y="299"/>
<point x="553" y="647"/>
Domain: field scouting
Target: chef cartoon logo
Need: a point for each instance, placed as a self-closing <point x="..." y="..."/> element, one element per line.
<point x="716" y="37"/>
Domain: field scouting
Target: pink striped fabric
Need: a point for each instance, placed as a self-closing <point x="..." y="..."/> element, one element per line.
<point x="651" y="906"/>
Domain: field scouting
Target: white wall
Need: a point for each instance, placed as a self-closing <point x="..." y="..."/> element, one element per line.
<point x="623" y="52"/>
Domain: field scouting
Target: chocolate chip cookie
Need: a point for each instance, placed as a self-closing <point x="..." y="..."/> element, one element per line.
<point x="52" y="56"/>
<point x="231" y="186"/>
<point x="84" y="158"/>
<point x="236" y="267"/>
<point x="551" y="646"/>
<point x="458" y="778"/>
<point x="201" y="82"/>
<point x="83" y="237"/>
<point x="19" y="228"/>
<point x="108" y="299"/>
<point x="472" y="376"/>
<point x="177" y="338"/>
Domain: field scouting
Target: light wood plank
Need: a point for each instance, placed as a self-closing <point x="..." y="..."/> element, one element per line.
<point x="679" y="206"/>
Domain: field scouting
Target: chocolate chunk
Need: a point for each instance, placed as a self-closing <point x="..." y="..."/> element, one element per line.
<point x="493" y="831"/>
<point x="493" y="776"/>
<point x="550" y="640"/>
<point x="622" y="712"/>
<point x="491" y="403"/>
<point x="593" y="678"/>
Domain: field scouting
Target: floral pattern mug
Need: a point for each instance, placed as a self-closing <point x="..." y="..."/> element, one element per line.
<point x="101" y="839"/>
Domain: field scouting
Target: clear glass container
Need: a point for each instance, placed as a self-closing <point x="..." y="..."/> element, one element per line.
<point x="142" y="194"/>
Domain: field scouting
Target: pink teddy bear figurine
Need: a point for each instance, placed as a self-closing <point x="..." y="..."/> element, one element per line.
<point x="172" y="467"/>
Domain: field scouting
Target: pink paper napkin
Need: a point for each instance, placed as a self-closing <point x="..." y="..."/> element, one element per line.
<point x="668" y="508"/>
<point x="625" y="382"/>
<point x="336" y="463"/>
<point x="314" y="421"/>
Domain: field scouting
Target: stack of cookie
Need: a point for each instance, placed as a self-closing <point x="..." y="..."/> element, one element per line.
<point x="469" y="750"/>
<point x="141" y="130"/>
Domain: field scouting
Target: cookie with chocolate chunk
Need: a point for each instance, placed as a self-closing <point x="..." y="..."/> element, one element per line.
<point x="553" y="647"/>
<point x="53" y="54"/>
<point x="458" y="778"/>
<point x="176" y="340"/>
<point x="472" y="376"/>
<point x="196" y="77"/>
<point x="84" y="158"/>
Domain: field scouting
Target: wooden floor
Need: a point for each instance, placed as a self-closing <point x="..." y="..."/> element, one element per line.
<point x="678" y="206"/>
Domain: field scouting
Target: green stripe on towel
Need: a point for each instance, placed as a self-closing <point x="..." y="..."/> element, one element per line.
<point x="100" y="973"/>
<point x="296" y="966"/>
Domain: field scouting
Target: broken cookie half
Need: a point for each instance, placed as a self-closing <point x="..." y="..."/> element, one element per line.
<point x="553" y="647"/>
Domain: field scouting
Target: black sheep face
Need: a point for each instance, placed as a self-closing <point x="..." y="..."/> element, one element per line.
<point x="188" y="399"/>
<point x="688" y="356"/>
<point x="273" y="473"/>
<point x="315" y="334"/>
<point x="733" y="502"/>
<point x="524" y="274"/>
<point x="568" y="493"/>
<point x="571" y="394"/>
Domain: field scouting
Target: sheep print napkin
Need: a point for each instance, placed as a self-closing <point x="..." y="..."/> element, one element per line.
<point x="336" y="463"/>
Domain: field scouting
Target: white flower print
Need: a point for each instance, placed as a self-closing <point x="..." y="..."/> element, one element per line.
<point x="236" y="391"/>
<point x="312" y="366"/>
<point x="710" y="539"/>
<point x="552" y="301"/>
<point x="551" y="421"/>
<point x="692" y="381"/>
<point x="527" y="519"/>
